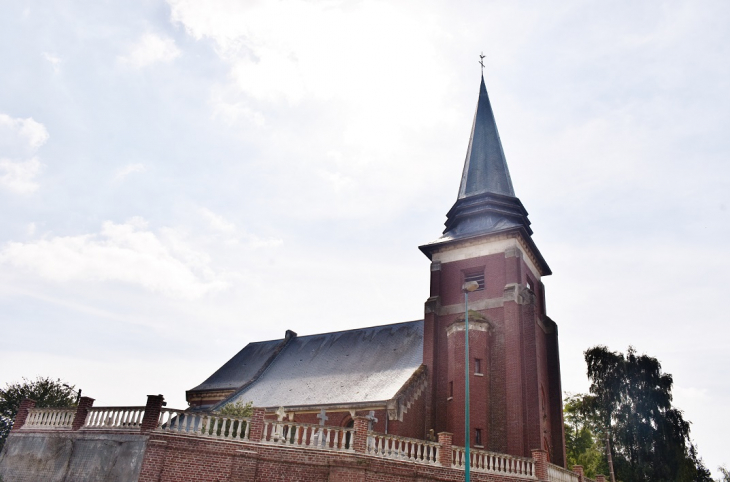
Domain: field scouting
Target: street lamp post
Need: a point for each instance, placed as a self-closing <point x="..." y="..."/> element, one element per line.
<point x="78" y="395"/>
<point x="467" y="288"/>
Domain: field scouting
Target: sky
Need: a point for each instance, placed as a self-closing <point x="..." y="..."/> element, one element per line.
<point x="180" y="178"/>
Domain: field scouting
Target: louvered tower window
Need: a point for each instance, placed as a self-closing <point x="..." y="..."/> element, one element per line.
<point x="478" y="277"/>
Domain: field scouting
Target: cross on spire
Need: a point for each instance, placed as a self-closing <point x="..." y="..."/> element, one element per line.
<point x="481" y="61"/>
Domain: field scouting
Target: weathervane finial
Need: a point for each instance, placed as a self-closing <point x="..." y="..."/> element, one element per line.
<point x="481" y="61"/>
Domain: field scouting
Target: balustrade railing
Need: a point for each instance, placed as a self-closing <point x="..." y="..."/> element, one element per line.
<point x="216" y="426"/>
<point x="204" y="425"/>
<point x="308" y="435"/>
<point x="114" y="418"/>
<point x="494" y="463"/>
<point x="402" y="448"/>
<point x="559" y="474"/>
<point x="50" y="418"/>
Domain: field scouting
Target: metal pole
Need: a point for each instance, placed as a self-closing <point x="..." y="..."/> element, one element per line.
<point x="467" y="431"/>
<point x="608" y="453"/>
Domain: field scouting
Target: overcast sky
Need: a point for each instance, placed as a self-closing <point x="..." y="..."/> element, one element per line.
<point x="180" y="178"/>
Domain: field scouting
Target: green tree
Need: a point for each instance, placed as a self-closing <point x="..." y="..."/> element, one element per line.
<point x="225" y="418"/>
<point x="237" y="410"/>
<point x="632" y="399"/>
<point x="583" y="442"/>
<point x="45" y="391"/>
<point x="725" y="474"/>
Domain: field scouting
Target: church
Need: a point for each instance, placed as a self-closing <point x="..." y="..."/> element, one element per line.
<point x="409" y="377"/>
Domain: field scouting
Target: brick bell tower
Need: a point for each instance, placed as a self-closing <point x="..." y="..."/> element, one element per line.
<point x="515" y="392"/>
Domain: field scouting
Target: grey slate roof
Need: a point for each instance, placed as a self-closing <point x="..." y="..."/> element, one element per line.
<point x="242" y="367"/>
<point x="345" y="367"/>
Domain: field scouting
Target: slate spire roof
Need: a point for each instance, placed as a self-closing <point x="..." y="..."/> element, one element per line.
<point x="485" y="167"/>
<point x="486" y="203"/>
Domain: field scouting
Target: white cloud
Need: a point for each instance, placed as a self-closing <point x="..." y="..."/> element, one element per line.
<point x="125" y="252"/>
<point x="338" y="181"/>
<point x="125" y="171"/>
<point x="53" y="60"/>
<point x="19" y="176"/>
<point x="19" y="137"/>
<point x="19" y="141"/>
<point x="275" y="54"/>
<point x="217" y="222"/>
<point x="359" y="84"/>
<point x="234" y="236"/>
<point x="254" y="241"/>
<point x="690" y="393"/>
<point x="150" y="49"/>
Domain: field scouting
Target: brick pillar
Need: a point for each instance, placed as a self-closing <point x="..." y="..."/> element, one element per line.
<point x="152" y="412"/>
<point x="578" y="469"/>
<point x="82" y="410"/>
<point x="541" y="463"/>
<point x="256" y="431"/>
<point x="22" y="414"/>
<point x="600" y="478"/>
<point x="446" y="456"/>
<point x="360" y="436"/>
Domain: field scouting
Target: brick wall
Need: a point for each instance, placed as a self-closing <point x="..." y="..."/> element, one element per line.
<point x="519" y="354"/>
<point x="171" y="458"/>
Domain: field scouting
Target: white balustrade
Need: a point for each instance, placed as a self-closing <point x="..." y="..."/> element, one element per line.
<point x="204" y="424"/>
<point x="494" y="463"/>
<point x="402" y="448"/>
<point x="559" y="474"/>
<point x="308" y="435"/>
<point x="49" y="418"/>
<point x="114" y="418"/>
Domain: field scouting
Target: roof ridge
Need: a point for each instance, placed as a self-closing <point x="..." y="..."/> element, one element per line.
<point x="290" y="335"/>
<point x="343" y="331"/>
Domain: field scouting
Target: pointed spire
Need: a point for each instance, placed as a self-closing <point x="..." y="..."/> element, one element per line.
<point x="486" y="203"/>
<point x="485" y="167"/>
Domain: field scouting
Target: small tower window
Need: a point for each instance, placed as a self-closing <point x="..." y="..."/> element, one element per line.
<point x="478" y="366"/>
<point x="478" y="437"/>
<point x="478" y="277"/>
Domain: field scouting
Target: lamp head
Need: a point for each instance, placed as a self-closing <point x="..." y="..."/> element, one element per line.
<point x="470" y="286"/>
